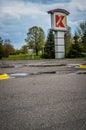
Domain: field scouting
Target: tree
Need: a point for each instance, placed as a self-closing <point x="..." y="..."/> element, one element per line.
<point x="35" y="38"/>
<point x="24" y="49"/>
<point x="1" y="48"/>
<point x="31" y="45"/>
<point x="49" y="50"/>
<point x="76" y="48"/>
<point x="81" y="32"/>
<point x="8" y="48"/>
<point x="84" y="41"/>
<point x="17" y="51"/>
<point x="68" y="40"/>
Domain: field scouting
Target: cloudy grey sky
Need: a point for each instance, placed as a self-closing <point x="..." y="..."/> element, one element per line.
<point x="17" y="16"/>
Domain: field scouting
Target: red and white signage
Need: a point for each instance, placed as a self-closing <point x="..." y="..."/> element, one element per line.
<point x="60" y="21"/>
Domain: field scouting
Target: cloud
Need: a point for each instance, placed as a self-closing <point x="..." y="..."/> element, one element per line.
<point x="81" y="5"/>
<point x="46" y="1"/>
<point x="77" y="13"/>
<point x="17" y="16"/>
<point x="18" y="9"/>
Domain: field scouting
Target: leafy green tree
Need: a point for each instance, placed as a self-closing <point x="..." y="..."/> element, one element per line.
<point x="31" y="45"/>
<point x="49" y="50"/>
<point x="81" y="32"/>
<point x="35" y="38"/>
<point x="17" y="51"/>
<point x="76" y="48"/>
<point x="24" y="49"/>
<point x="84" y="41"/>
<point x="1" y="48"/>
<point x="68" y="41"/>
<point x="8" y="48"/>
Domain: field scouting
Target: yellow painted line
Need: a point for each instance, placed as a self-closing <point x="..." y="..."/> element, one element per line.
<point x="4" y="76"/>
<point x="82" y="66"/>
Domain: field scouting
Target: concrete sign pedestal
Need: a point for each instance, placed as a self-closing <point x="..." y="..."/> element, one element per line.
<point x="59" y="45"/>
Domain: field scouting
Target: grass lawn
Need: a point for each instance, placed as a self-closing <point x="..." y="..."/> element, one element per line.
<point x="34" y="57"/>
<point x="23" y="57"/>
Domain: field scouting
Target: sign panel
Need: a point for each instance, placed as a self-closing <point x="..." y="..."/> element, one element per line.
<point x="60" y="21"/>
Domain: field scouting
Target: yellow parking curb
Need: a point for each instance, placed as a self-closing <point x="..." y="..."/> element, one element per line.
<point x="82" y="66"/>
<point x="4" y="76"/>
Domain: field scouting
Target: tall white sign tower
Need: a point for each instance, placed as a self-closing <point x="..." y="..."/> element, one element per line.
<point x="59" y="26"/>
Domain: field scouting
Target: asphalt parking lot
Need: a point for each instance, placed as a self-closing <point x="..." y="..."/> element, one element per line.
<point x="43" y="100"/>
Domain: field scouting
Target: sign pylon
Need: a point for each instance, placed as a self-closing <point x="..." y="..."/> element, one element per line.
<point x="59" y="26"/>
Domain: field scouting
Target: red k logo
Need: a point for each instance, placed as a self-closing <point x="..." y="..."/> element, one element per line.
<point x="59" y="21"/>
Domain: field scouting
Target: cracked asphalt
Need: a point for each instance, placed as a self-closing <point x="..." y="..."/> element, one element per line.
<point x="44" y="101"/>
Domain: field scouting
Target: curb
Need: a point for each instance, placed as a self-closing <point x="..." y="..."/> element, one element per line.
<point x="82" y="66"/>
<point x="4" y="76"/>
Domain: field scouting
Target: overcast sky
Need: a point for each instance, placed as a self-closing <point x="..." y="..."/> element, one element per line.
<point x="17" y="16"/>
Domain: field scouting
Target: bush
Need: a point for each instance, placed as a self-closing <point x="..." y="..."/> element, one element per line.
<point x="45" y="56"/>
<point x="75" y="51"/>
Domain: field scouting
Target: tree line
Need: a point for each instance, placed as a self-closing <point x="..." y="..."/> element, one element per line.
<point x="75" y="45"/>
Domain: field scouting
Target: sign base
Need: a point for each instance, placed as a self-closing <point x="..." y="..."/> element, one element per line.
<point x="59" y="44"/>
